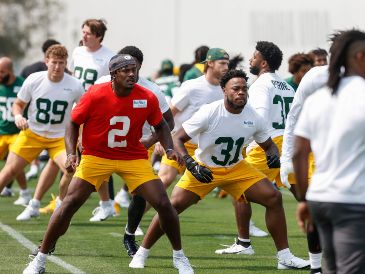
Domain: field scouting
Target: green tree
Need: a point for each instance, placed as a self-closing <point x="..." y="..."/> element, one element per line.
<point x="21" y="21"/>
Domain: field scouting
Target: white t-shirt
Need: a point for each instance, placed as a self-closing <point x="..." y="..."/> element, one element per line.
<point x="191" y="96"/>
<point x="222" y="135"/>
<point x="90" y="66"/>
<point x="147" y="130"/>
<point x="335" y="126"/>
<point x="50" y="103"/>
<point x="312" y="81"/>
<point x="271" y="96"/>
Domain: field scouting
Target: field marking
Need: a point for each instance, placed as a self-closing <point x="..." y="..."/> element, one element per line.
<point x="28" y="244"/>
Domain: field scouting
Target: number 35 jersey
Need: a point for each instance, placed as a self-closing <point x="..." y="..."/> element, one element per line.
<point x="50" y="103"/>
<point x="113" y="125"/>
<point x="222" y="135"/>
<point x="271" y="97"/>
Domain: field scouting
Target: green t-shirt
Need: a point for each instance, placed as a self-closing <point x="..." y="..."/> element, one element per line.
<point x="196" y="71"/>
<point x="290" y="81"/>
<point x="8" y="95"/>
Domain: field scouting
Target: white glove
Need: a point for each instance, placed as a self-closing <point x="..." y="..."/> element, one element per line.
<point x="285" y="169"/>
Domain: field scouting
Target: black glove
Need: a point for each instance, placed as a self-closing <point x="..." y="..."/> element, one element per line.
<point x="273" y="161"/>
<point x="201" y="173"/>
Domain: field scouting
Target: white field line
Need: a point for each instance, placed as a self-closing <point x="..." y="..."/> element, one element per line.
<point x="28" y="244"/>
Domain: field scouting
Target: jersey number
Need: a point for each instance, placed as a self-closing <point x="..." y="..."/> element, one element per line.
<point x="44" y="106"/>
<point x="118" y="132"/>
<point x="227" y="151"/>
<point x="88" y="76"/>
<point x="6" y="104"/>
<point x="285" y="107"/>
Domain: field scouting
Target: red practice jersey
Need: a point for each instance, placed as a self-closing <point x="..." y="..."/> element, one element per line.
<point x="113" y="125"/>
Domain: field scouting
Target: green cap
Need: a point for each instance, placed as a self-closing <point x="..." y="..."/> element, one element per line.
<point x="167" y="65"/>
<point x="216" y="54"/>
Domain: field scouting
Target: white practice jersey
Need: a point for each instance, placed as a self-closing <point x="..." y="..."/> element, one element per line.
<point x="90" y="66"/>
<point x="50" y="103"/>
<point x="271" y="96"/>
<point x="147" y="130"/>
<point x="191" y="96"/>
<point x="222" y="135"/>
<point x="313" y="80"/>
<point x="335" y="126"/>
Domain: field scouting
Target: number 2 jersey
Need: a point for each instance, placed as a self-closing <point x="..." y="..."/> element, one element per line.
<point x="271" y="97"/>
<point x="222" y="135"/>
<point x="50" y="103"/>
<point x="113" y="125"/>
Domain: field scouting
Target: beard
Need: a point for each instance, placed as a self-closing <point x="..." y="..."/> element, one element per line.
<point x="235" y="106"/>
<point x="255" y="70"/>
<point x="5" y="79"/>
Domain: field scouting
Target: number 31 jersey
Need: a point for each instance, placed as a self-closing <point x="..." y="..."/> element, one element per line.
<point x="50" y="103"/>
<point x="113" y="125"/>
<point x="222" y="135"/>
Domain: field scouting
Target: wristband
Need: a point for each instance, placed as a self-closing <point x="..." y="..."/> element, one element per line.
<point x="169" y="149"/>
<point x="71" y="154"/>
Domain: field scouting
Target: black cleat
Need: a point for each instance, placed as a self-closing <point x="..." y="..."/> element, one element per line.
<point x="50" y="252"/>
<point x="130" y="244"/>
<point x="316" y="271"/>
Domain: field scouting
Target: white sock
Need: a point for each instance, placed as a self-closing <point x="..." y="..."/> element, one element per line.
<point x="24" y="192"/>
<point x="105" y="204"/>
<point x="284" y="253"/>
<point x="244" y="240"/>
<point x="315" y="260"/>
<point x="41" y="258"/>
<point x="143" y="251"/>
<point x="58" y="202"/>
<point x="178" y="253"/>
<point x="35" y="203"/>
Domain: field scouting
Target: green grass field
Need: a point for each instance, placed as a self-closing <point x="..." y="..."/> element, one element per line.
<point x="96" y="247"/>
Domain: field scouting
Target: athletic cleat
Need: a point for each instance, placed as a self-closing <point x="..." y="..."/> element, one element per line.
<point x="36" y="250"/>
<point x="102" y="213"/>
<point x="24" y="198"/>
<point x="122" y="198"/>
<point x="256" y="232"/>
<point x="29" y="212"/>
<point x="138" y="261"/>
<point x="130" y="244"/>
<point x="316" y="271"/>
<point x="183" y="265"/>
<point x="50" y="208"/>
<point x="236" y="248"/>
<point x="7" y="192"/>
<point x="32" y="173"/>
<point x="34" y="267"/>
<point x="293" y="263"/>
<point x="139" y="231"/>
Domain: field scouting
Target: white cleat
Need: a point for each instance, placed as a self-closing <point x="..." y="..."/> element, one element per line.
<point x="7" y="192"/>
<point x="183" y="265"/>
<point x="256" y="232"/>
<point x="293" y="263"/>
<point x="34" y="267"/>
<point x="24" y="198"/>
<point x="122" y="198"/>
<point x="138" y="232"/>
<point x="28" y="213"/>
<point x="138" y="261"/>
<point x="236" y="248"/>
<point x="102" y="213"/>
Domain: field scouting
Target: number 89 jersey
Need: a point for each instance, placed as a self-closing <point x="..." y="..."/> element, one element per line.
<point x="271" y="97"/>
<point x="113" y="125"/>
<point x="222" y="135"/>
<point x="50" y="103"/>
